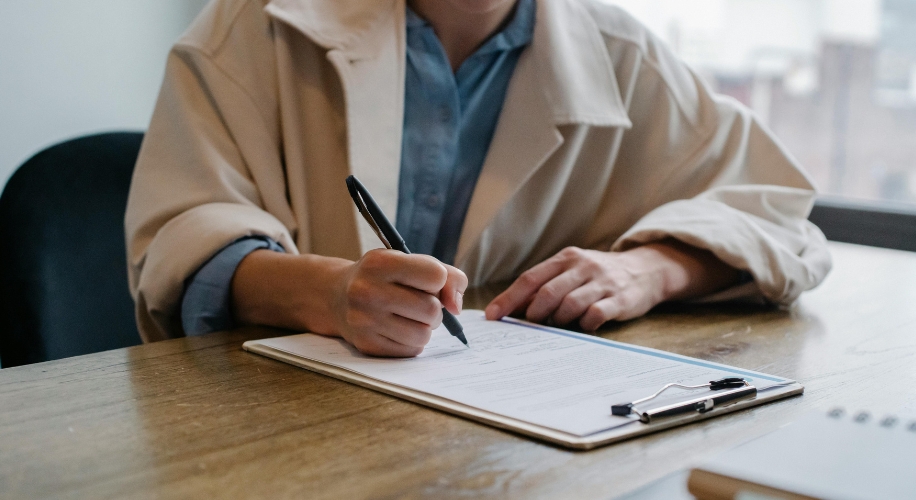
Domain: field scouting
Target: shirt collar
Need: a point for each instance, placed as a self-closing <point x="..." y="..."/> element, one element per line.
<point x="414" y="20"/>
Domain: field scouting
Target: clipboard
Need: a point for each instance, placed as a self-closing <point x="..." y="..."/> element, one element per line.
<point x="628" y="430"/>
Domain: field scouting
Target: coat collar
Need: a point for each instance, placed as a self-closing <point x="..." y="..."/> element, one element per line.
<point x="565" y="77"/>
<point x="342" y="25"/>
<point x="573" y="65"/>
<point x="365" y="42"/>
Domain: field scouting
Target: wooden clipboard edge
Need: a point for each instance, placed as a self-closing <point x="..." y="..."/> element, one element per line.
<point x="554" y="436"/>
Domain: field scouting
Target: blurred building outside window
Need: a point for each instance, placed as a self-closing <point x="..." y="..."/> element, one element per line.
<point x="835" y="80"/>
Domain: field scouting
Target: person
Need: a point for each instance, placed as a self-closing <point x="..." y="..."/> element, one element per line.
<point x="556" y="143"/>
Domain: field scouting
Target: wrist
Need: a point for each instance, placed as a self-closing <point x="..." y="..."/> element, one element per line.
<point x="685" y="271"/>
<point x="296" y="292"/>
<point x="667" y="275"/>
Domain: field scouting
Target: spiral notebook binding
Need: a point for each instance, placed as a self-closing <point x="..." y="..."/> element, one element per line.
<point x="864" y="417"/>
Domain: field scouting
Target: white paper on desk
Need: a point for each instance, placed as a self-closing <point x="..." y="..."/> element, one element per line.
<point x="554" y="378"/>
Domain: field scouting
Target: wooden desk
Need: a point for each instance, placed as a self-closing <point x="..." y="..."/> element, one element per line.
<point x="200" y="418"/>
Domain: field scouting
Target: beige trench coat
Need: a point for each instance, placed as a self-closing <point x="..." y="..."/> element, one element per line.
<point x="605" y="141"/>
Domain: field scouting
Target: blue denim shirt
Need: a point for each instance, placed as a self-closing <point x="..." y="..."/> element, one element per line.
<point x="449" y="121"/>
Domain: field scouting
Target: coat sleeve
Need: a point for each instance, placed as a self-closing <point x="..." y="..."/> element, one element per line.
<point x="717" y="179"/>
<point x="195" y="187"/>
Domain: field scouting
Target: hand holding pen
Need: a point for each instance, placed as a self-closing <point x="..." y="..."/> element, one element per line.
<point x="393" y="300"/>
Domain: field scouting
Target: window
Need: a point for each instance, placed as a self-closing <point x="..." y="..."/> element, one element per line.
<point x="835" y="80"/>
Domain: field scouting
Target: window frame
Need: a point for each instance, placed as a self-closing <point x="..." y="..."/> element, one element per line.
<point x="878" y="224"/>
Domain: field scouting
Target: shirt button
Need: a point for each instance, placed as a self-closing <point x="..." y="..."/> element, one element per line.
<point x="433" y="200"/>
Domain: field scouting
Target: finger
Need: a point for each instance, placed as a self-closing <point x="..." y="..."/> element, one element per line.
<point x="379" y="345"/>
<point x="414" y="270"/>
<point x="549" y="297"/>
<point x="403" y="331"/>
<point x="412" y="304"/>
<point x="517" y="313"/>
<point x="369" y="296"/>
<point x="452" y="294"/>
<point x="577" y="302"/>
<point x="600" y="313"/>
<point x="523" y="289"/>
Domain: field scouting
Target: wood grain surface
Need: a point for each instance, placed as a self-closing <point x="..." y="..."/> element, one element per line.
<point x="200" y="418"/>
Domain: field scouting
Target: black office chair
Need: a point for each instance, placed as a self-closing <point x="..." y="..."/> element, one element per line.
<point x="63" y="270"/>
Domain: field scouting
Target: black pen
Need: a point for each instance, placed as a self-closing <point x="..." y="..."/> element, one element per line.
<point x="390" y="237"/>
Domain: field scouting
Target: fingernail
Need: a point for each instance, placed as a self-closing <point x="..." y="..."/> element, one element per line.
<point x="459" y="300"/>
<point x="493" y="311"/>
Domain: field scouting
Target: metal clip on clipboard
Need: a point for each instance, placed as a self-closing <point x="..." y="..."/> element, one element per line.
<point x="740" y="389"/>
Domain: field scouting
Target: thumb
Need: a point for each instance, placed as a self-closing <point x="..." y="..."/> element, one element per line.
<point x="452" y="294"/>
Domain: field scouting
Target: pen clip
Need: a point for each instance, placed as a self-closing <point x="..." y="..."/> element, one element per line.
<point x="364" y="211"/>
<point x="739" y="387"/>
<point x="700" y="404"/>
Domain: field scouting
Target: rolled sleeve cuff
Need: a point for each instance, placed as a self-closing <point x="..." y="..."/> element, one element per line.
<point x="206" y="303"/>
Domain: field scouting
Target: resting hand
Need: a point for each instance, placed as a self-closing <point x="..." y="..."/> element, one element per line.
<point x="388" y="303"/>
<point x="594" y="287"/>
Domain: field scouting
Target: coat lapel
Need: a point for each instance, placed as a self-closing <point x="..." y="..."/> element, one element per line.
<point x="366" y="45"/>
<point x="525" y="137"/>
<point x="564" y="77"/>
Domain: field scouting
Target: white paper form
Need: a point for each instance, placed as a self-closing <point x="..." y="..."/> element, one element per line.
<point x="554" y="378"/>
